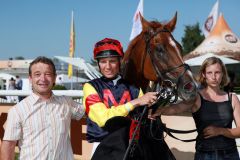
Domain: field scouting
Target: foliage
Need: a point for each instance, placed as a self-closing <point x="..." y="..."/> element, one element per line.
<point x="19" y="58"/>
<point x="93" y="62"/>
<point x="192" y="38"/>
<point x="236" y="90"/>
<point x="16" y="156"/>
<point x="55" y="60"/>
<point x="59" y="87"/>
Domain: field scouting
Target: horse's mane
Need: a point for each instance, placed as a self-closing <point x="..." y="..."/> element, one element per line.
<point x="131" y="46"/>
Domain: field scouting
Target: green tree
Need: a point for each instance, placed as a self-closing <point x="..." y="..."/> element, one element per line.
<point x="192" y="38"/>
<point x="19" y="58"/>
<point x="59" y="87"/>
<point x="93" y="62"/>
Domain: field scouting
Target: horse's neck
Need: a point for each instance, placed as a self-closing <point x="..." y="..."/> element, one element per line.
<point x="133" y="63"/>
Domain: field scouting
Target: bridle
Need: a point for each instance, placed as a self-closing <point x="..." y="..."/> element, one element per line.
<point x="165" y="93"/>
<point x="162" y="75"/>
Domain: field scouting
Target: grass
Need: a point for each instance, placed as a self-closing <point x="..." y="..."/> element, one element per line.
<point x="236" y="90"/>
<point x="16" y="156"/>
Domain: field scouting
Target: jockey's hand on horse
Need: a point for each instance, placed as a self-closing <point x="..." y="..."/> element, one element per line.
<point x="147" y="99"/>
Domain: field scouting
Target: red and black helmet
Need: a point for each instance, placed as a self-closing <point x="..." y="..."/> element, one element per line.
<point x="108" y="48"/>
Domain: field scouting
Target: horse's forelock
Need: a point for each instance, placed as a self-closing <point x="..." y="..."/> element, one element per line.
<point x="155" y="24"/>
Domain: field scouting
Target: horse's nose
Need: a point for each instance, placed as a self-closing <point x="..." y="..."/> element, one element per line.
<point x="188" y="90"/>
<point x="189" y="87"/>
<point x="189" y="82"/>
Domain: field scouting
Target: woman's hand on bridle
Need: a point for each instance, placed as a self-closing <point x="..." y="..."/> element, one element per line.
<point x="157" y="113"/>
<point x="150" y="115"/>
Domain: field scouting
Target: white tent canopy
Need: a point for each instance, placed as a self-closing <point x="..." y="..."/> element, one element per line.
<point x="220" y="41"/>
<point x="197" y="61"/>
<point x="88" y="69"/>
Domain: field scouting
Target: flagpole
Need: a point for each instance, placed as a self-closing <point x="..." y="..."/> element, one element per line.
<point x="71" y="50"/>
<point x="71" y="64"/>
<point x="71" y="83"/>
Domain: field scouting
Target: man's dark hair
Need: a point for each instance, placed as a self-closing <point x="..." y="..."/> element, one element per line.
<point x="42" y="59"/>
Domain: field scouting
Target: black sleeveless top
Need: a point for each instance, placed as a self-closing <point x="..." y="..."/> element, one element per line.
<point x="218" y="114"/>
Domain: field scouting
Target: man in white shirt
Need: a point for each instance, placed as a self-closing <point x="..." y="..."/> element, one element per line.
<point x="41" y="122"/>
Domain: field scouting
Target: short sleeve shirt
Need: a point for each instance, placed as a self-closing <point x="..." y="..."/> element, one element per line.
<point x="42" y="127"/>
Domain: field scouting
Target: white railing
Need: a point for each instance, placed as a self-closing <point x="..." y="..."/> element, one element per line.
<point x="76" y="94"/>
<point x="72" y="93"/>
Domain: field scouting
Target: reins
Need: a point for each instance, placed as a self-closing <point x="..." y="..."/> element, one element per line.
<point x="161" y="74"/>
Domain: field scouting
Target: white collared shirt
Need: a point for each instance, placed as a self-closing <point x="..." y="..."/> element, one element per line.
<point x="42" y="127"/>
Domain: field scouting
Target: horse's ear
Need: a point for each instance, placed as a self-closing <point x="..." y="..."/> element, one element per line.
<point x="170" y="26"/>
<point x="144" y="22"/>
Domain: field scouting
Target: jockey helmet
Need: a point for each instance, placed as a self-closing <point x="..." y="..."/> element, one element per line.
<point x="108" y="48"/>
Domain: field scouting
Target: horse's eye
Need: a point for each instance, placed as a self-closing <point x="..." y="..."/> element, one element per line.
<point x="159" y="48"/>
<point x="159" y="51"/>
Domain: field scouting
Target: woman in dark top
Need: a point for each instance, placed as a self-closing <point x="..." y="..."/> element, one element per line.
<point x="213" y="111"/>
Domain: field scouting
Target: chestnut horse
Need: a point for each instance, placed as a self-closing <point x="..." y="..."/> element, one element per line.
<point x="155" y="56"/>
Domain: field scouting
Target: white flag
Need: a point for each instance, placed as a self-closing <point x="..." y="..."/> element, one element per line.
<point x="211" y="20"/>
<point x="137" y="26"/>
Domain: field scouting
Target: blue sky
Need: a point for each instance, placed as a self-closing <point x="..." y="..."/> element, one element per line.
<point x="30" y="28"/>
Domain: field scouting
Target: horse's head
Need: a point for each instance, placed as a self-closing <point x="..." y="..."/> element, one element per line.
<point x="156" y="56"/>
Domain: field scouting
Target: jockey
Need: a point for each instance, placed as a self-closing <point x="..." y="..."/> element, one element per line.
<point x="108" y="100"/>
